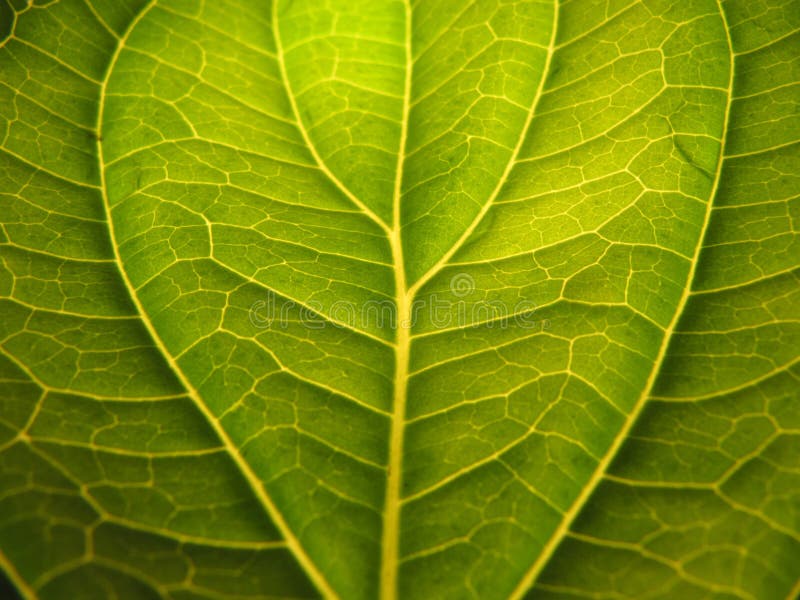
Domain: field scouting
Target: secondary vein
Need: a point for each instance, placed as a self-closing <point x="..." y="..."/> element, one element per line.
<point x="306" y="138"/>
<point x="512" y="161"/>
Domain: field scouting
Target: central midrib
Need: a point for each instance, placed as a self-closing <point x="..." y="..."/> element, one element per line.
<point x="405" y="296"/>
<point x="390" y="539"/>
<point x="391" y="519"/>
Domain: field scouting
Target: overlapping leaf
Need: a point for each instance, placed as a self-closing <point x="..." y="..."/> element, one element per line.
<point x="429" y="299"/>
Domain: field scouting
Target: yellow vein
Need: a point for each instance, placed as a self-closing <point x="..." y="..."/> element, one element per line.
<point x="391" y="512"/>
<point x="750" y="383"/>
<point x="497" y="456"/>
<point x="57" y="60"/>
<point x="311" y="147"/>
<point x="255" y="484"/>
<point x="140" y="526"/>
<point x="677" y="567"/>
<point x="47" y="171"/>
<point x="509" y="166"/>
<point x="563" y="529"/>
<point x="304" y="305"/>
<point x="795" y="591"/>
<point x="219" y="30"/>
<point x="27" y="592"/>
<point x="118" y="451"/>
<point x="88" y="558"/>
<point x="103" y="23"/>
<point x="198" y="76"/>
<point x="303" y="378"/>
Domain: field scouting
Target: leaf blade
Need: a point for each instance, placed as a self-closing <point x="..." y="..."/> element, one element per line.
<point x="226" y="203"/>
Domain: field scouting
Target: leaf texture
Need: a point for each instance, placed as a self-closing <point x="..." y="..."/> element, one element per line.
<point x="417" y="299"/>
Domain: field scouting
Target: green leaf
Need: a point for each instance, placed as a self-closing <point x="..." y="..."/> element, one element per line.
<point x="383" y="298"/>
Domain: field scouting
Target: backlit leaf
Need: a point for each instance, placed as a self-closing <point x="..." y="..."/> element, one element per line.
<point x="400" y="298"/>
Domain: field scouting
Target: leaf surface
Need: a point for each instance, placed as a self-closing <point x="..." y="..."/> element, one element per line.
<point x="424" y="299"/>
